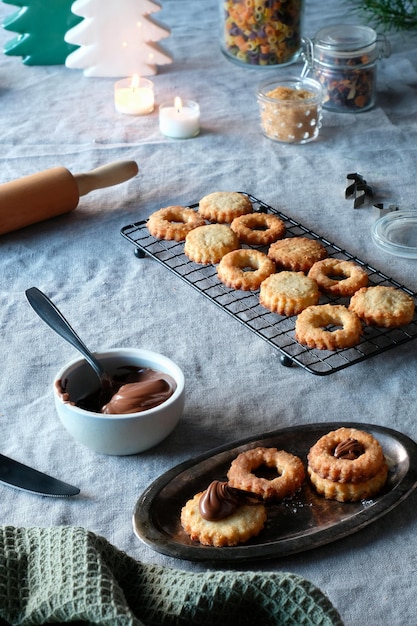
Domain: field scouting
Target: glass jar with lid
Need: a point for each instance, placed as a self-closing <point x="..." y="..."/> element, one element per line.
<point x="343" y="58"/>
<point x="261" y="33"/>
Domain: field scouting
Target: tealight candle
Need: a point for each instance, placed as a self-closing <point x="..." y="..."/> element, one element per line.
<point x="179" y="120"/>
<point x="134" y="96"/>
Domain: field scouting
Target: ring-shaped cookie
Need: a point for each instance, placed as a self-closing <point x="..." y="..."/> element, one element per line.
<point x="244" y="269"/>
<point x="258" y="229"/>
<point x="328" y="327"/>
<point x="322" y="461"/>
<point x="173" y="222"/>
<point x="352" y="276"/>
<point x="289" y="468"/>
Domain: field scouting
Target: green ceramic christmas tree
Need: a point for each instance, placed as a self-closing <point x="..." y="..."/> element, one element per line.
<point x="41" y="25"/>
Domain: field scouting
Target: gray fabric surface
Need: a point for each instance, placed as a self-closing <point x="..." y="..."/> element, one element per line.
<point x="236" y="386"/>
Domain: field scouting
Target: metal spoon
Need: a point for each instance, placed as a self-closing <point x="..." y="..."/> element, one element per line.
<point x="49" y="313"/>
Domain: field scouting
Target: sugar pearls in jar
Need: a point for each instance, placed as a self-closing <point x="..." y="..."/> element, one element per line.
<point x="342" y="58"/>
<point x="290" y="109"/>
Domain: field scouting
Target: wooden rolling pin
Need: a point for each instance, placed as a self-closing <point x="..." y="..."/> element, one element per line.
<point x="54" y="192"/>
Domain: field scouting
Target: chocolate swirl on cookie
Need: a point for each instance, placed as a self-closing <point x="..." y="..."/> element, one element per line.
<point x="220" y="500"/>
<point x="349" y="449"/>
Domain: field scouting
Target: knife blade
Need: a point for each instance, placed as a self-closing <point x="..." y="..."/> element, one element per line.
<point x="23" y="477"/>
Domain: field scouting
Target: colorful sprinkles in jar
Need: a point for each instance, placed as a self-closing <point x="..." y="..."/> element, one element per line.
<point x="261" y="32"/>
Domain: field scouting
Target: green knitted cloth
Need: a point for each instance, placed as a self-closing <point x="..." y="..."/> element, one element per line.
<point x="68" y="574"/>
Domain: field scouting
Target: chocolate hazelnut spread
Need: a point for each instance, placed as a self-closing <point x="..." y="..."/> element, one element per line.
<point x="220" y="500"/>
<point x="140" y="389"/>
<point x="152" y="389"/>
<point x="349" y="449"/>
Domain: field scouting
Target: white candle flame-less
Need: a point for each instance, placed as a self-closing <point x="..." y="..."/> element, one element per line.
<point x="179" y="120"/>
<point x="134" y="96"/>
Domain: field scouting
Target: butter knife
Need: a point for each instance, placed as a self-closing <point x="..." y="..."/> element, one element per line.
<point x="21" y="476"/>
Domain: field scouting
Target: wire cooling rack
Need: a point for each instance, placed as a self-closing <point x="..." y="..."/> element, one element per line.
<point x="244" y="306"/>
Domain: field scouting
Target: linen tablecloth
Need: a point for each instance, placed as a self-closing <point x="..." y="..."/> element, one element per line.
<point x="235" y="384"/>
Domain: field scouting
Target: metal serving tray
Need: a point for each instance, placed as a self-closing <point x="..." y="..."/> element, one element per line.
<point x="244" y="306"/>
<point x="297" y="524"/>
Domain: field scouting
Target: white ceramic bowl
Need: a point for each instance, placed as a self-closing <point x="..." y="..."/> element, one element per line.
<point x="118" y="434"/>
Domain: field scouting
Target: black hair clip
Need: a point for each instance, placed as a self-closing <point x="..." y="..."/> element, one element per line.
<point x="359" y="189"/>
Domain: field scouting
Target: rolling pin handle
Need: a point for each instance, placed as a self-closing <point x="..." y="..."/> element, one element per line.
<point x="105" y="176"/>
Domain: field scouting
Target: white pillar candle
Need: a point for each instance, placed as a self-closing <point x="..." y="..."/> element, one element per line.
<point x="134" y="96"/>
<point x="179" y="120"/>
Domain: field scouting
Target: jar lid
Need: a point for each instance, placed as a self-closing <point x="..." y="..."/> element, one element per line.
<point x="396" y="233"/>
<point x="345" y="37"/>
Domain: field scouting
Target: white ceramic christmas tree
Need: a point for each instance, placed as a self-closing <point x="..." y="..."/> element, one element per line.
<point x="117" y="38"/>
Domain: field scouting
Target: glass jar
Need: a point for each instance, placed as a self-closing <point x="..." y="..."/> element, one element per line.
<point x="261" y="33"/>
<point x="290" y="109"/>
<point x="342" y="59"/>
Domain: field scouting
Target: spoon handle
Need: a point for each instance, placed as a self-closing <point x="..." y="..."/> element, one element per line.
<point x="49" y="313"/>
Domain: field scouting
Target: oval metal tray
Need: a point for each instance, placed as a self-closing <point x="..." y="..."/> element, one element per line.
<point x="301" y="523"/>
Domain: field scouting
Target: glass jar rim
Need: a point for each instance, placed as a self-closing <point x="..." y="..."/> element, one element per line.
<point x="345" y="38"/>
<point x="294" y="82"/>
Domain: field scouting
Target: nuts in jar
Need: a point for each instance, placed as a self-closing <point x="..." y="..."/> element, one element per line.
<point x="342" y="59"/>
